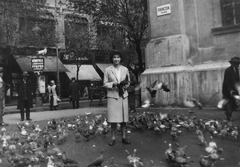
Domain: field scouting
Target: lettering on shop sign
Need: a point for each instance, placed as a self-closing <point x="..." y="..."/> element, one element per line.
<point x="163" y="10"/>
<point x="72" y="57"/>
<point x="37" y="64"/>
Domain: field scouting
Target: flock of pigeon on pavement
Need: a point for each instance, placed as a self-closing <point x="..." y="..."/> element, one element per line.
<point x="33" y="145"/>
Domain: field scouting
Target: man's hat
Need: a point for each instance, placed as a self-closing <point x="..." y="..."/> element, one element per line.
<point x="25" y="73"/>
<point x="235" y="60"/>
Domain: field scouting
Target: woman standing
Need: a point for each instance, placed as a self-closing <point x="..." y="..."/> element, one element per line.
<point x="116" y="80"/>
<point x="52" y="95"/>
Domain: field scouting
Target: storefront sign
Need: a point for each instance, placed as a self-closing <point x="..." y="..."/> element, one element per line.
<point x="163" y="10"/>
<point x="37" y="64"/>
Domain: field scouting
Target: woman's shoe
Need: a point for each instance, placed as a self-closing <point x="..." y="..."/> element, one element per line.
<point x="125" y="141"/>
<point x="112" y="143"/>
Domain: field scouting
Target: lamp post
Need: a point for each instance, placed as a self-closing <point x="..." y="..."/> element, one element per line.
<point x="58" y="78"/>
<point x="38" y="99"/>
<point x="57" y="52"/>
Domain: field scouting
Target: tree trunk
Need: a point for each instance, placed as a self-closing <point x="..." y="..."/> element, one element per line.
<point x="139" y="53"/>
<point x="78" y="67"/>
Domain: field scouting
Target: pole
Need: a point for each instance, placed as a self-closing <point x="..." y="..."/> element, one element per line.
<point x="57" y="56"/>
<point x="58" y="78"/>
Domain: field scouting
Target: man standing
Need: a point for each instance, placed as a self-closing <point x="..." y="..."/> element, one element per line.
<point x="74" y="90"/>
<point x="231" y="78"/>
<point x="131" y="90"/>
<point x="2" y="96"/>
<point x="25" y="98"/>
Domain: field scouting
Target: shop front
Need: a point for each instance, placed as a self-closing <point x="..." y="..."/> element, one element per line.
<point x="52" y="65"/>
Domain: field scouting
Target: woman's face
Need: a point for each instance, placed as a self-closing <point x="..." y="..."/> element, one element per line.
<point x="116" y="59"/>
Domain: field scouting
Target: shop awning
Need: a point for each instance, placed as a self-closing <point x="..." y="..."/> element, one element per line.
<point x="86" y="72"/>
<point x="103" y="66"/>
<point x="50" y="63"/>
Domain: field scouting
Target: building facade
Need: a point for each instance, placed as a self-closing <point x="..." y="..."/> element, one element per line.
<point x="191" y="44"/>
<point x="29" y="34"/>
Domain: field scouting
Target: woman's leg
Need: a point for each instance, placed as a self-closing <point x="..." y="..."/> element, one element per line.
<point x="123" y="127"/>
<point x="113" y="130"/>
<point x="124" y="138"/>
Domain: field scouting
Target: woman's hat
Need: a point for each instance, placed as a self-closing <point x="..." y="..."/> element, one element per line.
<point x="235" y="60"/>
<point x="25" y="73"/>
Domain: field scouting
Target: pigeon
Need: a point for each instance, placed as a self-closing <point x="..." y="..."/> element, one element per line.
<point x="152" y="164"/>
<point x="170" y="153"/>
<point x="146" y="104"/>
<point x="156" y="86"/>
<point x="67" y="160"/>
<point x="98" y="161"/>
<point x="133" y="159"/>
<point x="42" y="52"/>
<point x="191" y="102"/>
<point x="112" y="164"/>
<point x="50" y="162"/>
<point x="234" y="133"/>
<point x="205" y="161"/>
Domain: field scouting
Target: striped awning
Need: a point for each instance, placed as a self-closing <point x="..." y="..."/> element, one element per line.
<point x="50" y="63"/>
<point x="103" y="66"/>
<point x="86" y="72"/>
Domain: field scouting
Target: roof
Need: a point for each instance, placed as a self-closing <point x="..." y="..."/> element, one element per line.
<point x="86" y="72"/>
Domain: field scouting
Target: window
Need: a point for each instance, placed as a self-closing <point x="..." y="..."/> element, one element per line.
<point x="74" y="24"/>
<point x="46" y="34"/>
<point x="230" y="12"/>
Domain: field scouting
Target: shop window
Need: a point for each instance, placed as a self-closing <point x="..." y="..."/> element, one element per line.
<point x="230" y="12"/>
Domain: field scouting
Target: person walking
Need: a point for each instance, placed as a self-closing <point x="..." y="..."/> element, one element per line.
<point x="116" y="81"/>
<point x="52" y="92"/>
<point x="229" y="89"/>
<point x="74" y="90"/>
<point x="2" y="97"/>
<point x="131" y="91"/>
<point x="25" y="96"/>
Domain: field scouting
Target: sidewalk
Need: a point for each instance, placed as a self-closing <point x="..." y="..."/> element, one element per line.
<point x="12" y="108"/>
<point x="12" y="114"/>
<point x="13" y="118"/>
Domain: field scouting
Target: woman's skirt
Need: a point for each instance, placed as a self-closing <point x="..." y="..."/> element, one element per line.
<point x="117" y="110"/>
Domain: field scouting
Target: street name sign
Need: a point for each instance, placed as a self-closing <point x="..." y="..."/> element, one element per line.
<point x="163" y="10"/>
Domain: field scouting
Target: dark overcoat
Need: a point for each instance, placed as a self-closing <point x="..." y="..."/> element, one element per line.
<point x="29" y="95"/>
<point x="231" y="77"/>
<point x="74" y="90"/>
<point x="133" y="82"/>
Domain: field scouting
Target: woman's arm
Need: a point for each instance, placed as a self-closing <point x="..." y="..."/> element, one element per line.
<point x="109" y="84"/>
